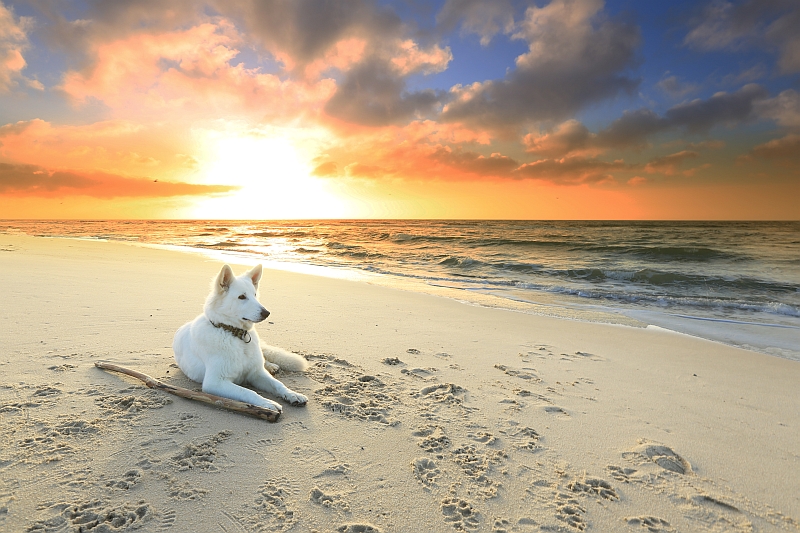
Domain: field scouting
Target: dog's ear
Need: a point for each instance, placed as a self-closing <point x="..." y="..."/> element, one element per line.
<point x="224" y="279"/>
<point x="255" y="275"/>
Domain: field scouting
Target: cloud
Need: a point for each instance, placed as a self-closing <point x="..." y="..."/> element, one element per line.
<point x="373" y="94"/>
<point x="570" y="137"/>
<point x="673" y="86"/>
<point x="784" y="109"/>
<point x="192" y="71"/>
<point x="725" y="25"/>
<point x="633" y="128"/>
<point x="571" y="170"/>
<point x="467" y="161"/>
<point x="697" y="116"/>
<point x="576" y="56"/>
<point x="787" y="147"/>
<point x="669" y="164"/>
<point x="34" y="180"/>
<point x="325" y="169"/>
<point x="13" y="42"/>
<point x="485" y="18"/>
<point x="301" y="31"/>
<point x="112" y="146"/>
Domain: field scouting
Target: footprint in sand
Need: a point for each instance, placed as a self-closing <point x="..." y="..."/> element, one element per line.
<point x="271" y="510"/>
<point x="184" y="423"/>
<point x="650" y="523"/>
<point x="425" y="470"/>
<point x="663" y="456"/>
<point x="595" y="487"/>
<point x="335" y="469"/>
<point x="433" y="439"/>
<point x="460" y="514"/>
<point x="96" y="515"/>
<point x="448" y="393"/>
<point x="501" y="525"/>
<point x="570" y="511"/>
<point x="127" y="481"/>
<point x="525" y="438"/>
<point x="328" y="500"/>
<point x="200" y="455"/>
<point x="76" y="427"/>
<point x="167" y="519"/>
<point x="621" y="474"/>
<point x="131" y="405"/>
<point x="476" y="463"/>
<point x="483" y="437"/>
<point x="351" y="393"/>
<point x="422" y="373"/>
<point x="521" y="374"/>
<point x="357" y="528"/>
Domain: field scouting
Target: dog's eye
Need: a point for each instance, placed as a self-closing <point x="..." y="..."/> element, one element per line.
<point x="243" y="297"/>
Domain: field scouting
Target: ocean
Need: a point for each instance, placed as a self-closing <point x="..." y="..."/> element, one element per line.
<point x="731" y="282"/>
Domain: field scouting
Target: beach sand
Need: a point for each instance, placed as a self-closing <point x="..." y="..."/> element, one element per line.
<point x="424" y="413"/>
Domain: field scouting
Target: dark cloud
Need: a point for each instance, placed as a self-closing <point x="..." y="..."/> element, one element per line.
<point x="697" y="116"/>
<point x="373" y="94"/>
<point x="669" y="164"/>
<point x="306" y="29"/>
<point x="724" y="25"/>
<point x="33" y="180"/>
<point x="787" y="147"/>
<point x="571" y="170"/>
<point x="701" y="115"/>
<point x="634" y="128"/>
<point x="75" y="32"/>
<point x="296" y="30"/>
<point x="570" y="136"/>
<point x="496" y="164"/>
<point x="577" y="56"/>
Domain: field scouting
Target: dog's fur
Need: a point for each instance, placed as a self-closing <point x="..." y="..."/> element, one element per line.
<point x="221" y="361"/>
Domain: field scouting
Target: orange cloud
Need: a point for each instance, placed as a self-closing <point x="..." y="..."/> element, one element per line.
<point x="410" y="59"/>
<point x="669" y="164"/>
<point x="113" y="146"/>
<point x="189" y="71"/>
<point x="33" y="180"/>
<point x="13" y="42"/>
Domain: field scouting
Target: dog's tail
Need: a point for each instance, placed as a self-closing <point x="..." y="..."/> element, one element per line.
<point x="289" y="361"/>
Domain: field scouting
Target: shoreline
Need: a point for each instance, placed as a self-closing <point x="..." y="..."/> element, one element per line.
<point x="424" y="413"/>
<point x="747" y="335"/>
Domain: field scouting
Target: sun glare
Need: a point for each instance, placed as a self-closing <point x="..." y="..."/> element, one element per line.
<point x="274" y="178"/>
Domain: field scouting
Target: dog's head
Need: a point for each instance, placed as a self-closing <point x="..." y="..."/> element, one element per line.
<point x="233" y="300"/>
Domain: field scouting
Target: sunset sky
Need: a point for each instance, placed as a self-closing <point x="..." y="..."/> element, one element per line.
<point x="270" y="109"/>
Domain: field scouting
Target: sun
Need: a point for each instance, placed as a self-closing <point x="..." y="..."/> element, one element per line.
<point x="274" y="178"/>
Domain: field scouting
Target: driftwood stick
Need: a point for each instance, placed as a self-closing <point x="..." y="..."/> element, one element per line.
<point x="270" y="415"/>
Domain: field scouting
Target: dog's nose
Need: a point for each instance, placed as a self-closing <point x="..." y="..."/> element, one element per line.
<point x="264" y="314"/>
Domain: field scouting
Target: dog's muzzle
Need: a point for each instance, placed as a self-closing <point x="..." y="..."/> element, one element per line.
<point x="262" y="315"/>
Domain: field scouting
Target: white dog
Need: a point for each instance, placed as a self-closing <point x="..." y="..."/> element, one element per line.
<point x="221" y="349"/>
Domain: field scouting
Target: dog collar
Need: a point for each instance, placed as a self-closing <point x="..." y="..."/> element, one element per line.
<point x="236" y="332"/>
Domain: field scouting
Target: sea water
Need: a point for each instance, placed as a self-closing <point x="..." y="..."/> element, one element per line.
<point x="733" y="282"/>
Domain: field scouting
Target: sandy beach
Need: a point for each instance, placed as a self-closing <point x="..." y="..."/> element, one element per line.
<point x="424" y="413"/>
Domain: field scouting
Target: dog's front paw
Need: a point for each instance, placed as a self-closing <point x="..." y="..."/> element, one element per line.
<point x="269" y="404"/>
<point x="296" y="399"/>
